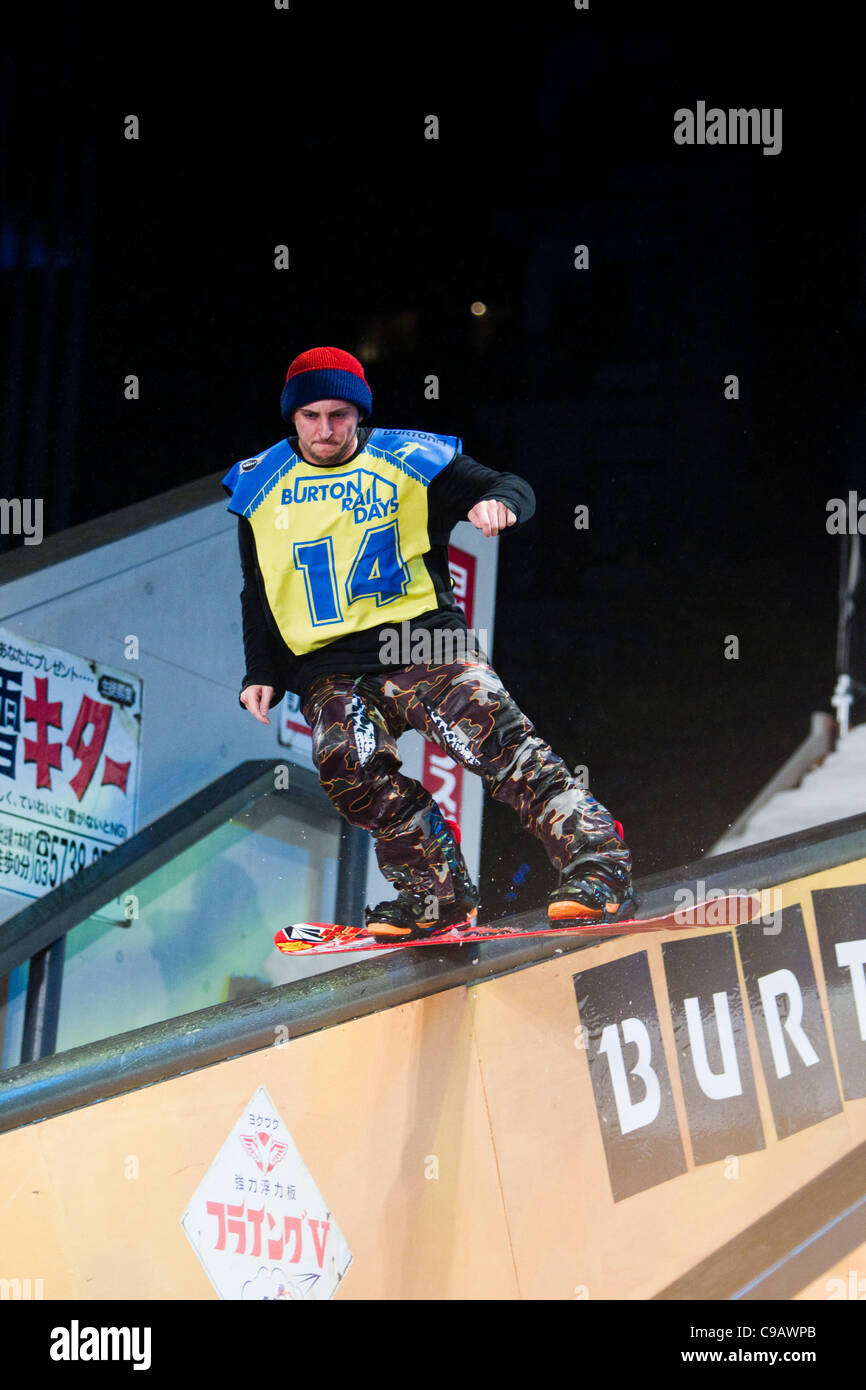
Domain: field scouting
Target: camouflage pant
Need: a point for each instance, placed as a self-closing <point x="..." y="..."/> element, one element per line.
<point x="465" y="709"/>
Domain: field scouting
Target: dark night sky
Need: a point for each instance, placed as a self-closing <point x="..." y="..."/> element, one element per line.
<point x="605" y="387"/>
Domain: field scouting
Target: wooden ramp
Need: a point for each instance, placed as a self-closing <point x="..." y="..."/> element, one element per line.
<point x="674" y="1117"/>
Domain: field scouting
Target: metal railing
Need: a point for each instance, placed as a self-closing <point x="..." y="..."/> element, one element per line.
<point x="125" y="1062"/>
<point x="38" y="933"/>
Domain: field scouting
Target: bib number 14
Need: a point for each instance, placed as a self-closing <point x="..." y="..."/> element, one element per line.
<point x="377" y="571"/>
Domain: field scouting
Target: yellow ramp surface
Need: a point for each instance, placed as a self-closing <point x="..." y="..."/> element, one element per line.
<point x="469" y="1144"/>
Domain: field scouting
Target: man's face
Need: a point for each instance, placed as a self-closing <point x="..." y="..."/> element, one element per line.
<point x="327" y="430"/>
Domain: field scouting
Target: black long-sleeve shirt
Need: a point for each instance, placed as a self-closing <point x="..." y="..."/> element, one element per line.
<point x="450" y="496"/>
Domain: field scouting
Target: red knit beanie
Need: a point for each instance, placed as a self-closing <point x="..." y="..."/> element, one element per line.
<point x="324" y="374"/>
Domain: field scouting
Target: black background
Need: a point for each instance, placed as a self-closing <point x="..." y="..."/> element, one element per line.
<point x="603" y="387"/>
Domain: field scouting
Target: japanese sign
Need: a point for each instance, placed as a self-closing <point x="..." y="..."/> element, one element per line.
<point x="257" y="1221"/>
<point x="70" y="741"/>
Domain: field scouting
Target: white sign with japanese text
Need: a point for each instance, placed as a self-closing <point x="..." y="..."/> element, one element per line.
<point x="70" y="745"/>
<point x="257" y="1221"/>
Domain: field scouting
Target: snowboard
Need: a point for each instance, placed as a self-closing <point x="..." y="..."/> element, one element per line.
<point x="327" y="938"/>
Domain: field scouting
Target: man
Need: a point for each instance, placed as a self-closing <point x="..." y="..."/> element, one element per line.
<point x="343" y="533"/>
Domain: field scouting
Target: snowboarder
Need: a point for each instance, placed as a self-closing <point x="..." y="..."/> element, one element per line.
<point x="340" y="525"/>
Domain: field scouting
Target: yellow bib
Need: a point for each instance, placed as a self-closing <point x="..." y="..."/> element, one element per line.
<point x="340" y="549"/>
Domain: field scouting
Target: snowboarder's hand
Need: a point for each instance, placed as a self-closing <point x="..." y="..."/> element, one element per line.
<point x="491" y="516"/>
<point x="257" y="699"/>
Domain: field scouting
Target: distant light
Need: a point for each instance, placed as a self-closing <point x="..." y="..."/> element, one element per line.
<point x="478" y="308"/>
